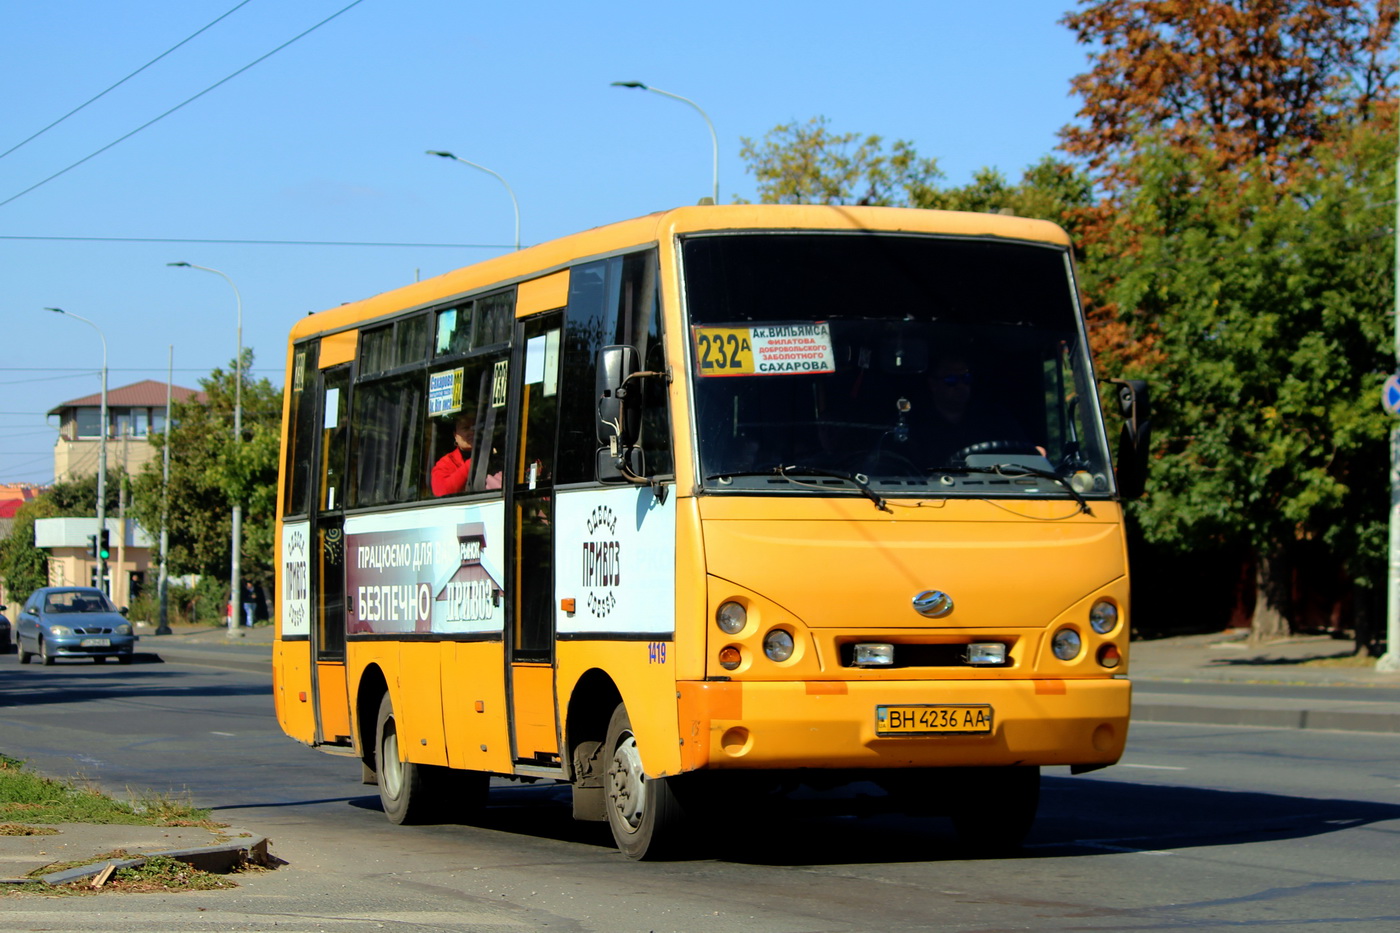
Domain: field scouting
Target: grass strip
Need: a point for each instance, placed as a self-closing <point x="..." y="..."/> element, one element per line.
<point x="26" y="797"/>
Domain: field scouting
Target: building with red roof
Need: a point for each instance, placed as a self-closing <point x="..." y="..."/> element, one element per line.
<point x="134" y="414"/>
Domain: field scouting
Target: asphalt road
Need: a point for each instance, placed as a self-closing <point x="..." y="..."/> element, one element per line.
<point x="1201" y="827"/>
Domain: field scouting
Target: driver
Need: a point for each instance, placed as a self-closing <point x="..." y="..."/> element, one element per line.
<point x="954" y="416"/>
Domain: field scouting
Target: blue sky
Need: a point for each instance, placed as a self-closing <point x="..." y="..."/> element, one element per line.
<point x="325" y="140"/>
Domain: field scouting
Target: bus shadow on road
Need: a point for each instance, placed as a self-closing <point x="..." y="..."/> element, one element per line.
<point x="1079" y="817"/>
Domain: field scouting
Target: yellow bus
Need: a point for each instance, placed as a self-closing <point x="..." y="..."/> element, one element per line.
<point x="714" y="500"/>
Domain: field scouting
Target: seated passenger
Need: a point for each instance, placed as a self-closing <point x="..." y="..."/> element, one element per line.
<point x="453" y="470"/>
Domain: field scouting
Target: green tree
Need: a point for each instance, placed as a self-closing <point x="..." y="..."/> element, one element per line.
<point x="1266" y="306"/>
<point x="809" y="164"/>
<point x="209" y="471"/>
<point x="23" y="567"/>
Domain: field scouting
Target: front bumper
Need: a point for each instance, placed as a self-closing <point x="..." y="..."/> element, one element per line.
<point x="73" y="648"/>
<point x="832" y="724"/>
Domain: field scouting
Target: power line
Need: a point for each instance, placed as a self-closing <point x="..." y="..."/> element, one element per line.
<point x="178" y="106"/>
<point x="121" y="82"/>
<point x="145" y="239"/>
<point x="121" y="369"/>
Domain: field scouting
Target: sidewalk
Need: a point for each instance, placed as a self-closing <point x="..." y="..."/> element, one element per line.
<point x="1304" y="682"/>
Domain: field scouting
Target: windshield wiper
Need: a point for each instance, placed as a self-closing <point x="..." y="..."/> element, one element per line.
<point x="1012" y="470"/>
<point x="859" y="480"/>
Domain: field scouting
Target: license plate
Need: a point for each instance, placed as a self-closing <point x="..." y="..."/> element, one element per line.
<point x="932" y="720"/>
<point x="96" y="642"/>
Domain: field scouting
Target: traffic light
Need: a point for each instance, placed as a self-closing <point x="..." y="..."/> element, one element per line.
<point x="103" y="551"/>
<point x="92" y="546"/>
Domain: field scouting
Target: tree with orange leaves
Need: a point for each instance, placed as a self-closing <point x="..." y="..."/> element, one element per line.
<point x="1241" y="262"/>
<point x="1248" y="79"/>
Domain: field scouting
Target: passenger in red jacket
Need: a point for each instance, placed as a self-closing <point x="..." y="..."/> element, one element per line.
<point x="451" y="472"/>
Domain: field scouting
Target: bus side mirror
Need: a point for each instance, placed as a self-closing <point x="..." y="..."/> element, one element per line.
<point x="1133" y="439"/>
<point x="619" y="414"/>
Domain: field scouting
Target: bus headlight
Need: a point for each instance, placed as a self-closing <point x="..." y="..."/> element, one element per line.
<point x="1065" y="644"/>
<point x="731" y="618"/>
<point x="872" y="654"/>
<point x="991" y="652"/>
<point x="1103" y="617"/>
<point x="778" y="645"/>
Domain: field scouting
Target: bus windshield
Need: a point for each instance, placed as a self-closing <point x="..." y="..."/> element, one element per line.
<point x="918" y="365"/>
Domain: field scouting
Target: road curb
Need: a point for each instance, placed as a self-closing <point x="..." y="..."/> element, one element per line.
<point x="217" y="859"/>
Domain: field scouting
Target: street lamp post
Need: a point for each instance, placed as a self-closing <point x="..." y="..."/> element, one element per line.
<point x="236" y="565"/>
<point x="513" y="201"/>
<point x="714" y="140"/>
<point x="163" y="628"/>
<point x="1390" y="661"/>
<point x="101" y="454"/>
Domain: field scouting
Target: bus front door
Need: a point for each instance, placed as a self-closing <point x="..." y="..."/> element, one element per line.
<point x="530" y="511"/>
<point x="328" y="563"/>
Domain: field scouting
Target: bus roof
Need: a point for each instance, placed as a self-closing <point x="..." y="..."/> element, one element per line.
<point x="557" y="254"/>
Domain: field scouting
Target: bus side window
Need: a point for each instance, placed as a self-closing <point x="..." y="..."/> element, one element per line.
<point x="386" y="422"/>
<point x="611" y="301"/>
<point x="483" y="416"/>
<point x="301" y="431"/>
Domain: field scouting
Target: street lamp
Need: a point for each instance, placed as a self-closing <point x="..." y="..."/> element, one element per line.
<point x="163" y="588"/>
<point x="714" y="140"/>
<point x="513" y="201"/>
<point x="101" y="455"/>
<point x="236" y="570"/>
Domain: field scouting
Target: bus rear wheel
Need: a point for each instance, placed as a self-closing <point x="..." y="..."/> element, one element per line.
<point x="415" y="793"/>
<point x="402" y="790"/>
<point x="646" y="819"/>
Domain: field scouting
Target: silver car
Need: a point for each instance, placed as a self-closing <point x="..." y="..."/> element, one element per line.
<point x="72" y="622"/>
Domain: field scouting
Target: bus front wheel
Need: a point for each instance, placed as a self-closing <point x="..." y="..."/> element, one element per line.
<point x="1009" y="798"/>
<point x="643" y="813"/>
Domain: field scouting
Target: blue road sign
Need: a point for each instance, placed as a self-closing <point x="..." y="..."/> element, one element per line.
<point x="1390" y="394"/>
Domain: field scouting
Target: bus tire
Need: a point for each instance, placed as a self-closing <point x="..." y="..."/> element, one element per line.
<point x="402" y="789"/>
<point x="646" y="819"/>
<point x="998" y="830"/>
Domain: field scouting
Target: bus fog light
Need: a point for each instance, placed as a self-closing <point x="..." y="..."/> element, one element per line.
<point x="731" y="618"/>
<point x="729" y="657"/>
<point x="986" y="652"/>
<point x="778" y="645"/>
<point x="872" y="655"/>
<point x="1065" y="644"/>
<point x="1110" y="656"/>
<point x="1103" y="617"/>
